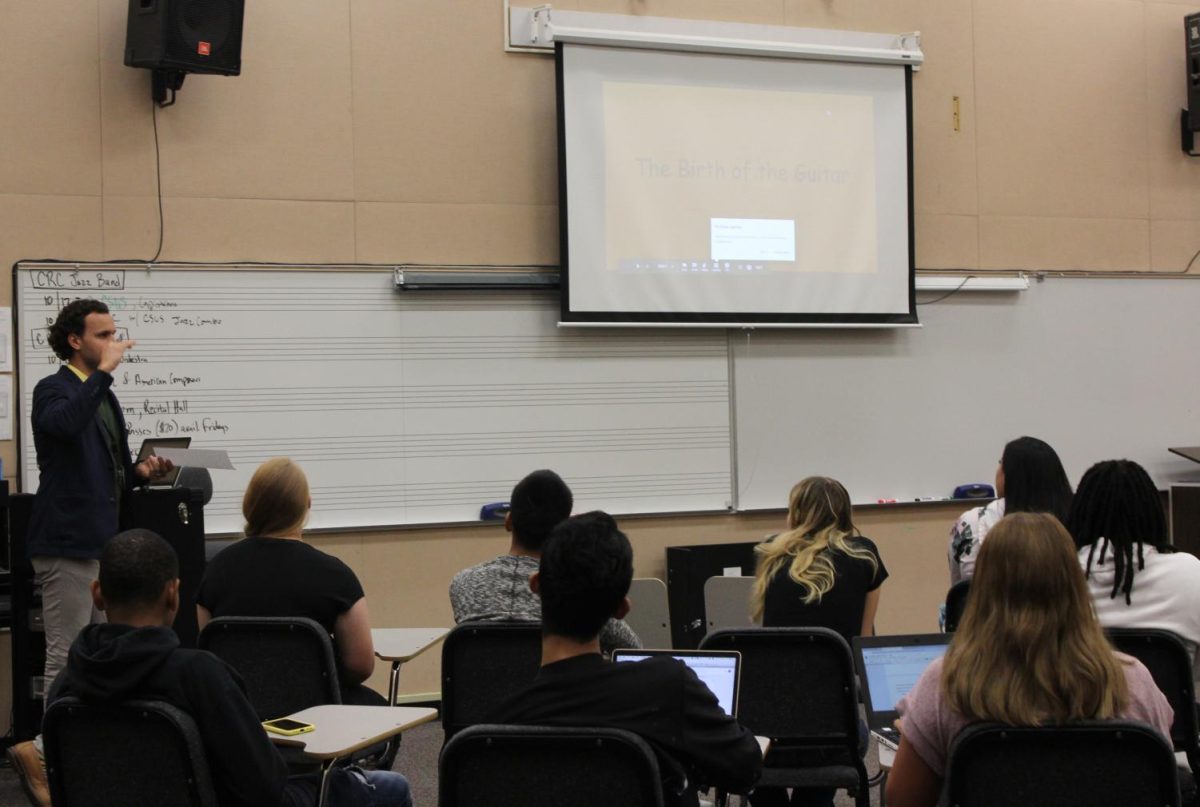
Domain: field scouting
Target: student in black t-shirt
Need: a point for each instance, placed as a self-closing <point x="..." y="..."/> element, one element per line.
<point x="272" y="572"/>
<point x="819" y="573"/>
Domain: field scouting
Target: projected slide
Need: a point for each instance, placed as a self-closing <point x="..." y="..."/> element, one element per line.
<point x="773" y="181"/>
<point x="705" y="188"/>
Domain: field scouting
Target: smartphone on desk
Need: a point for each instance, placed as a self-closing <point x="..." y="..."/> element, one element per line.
<point x="287" y="727"/>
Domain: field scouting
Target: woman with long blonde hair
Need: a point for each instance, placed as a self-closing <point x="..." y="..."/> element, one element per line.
<point x="1028" y="652"/>
<point x="820" y="572"/>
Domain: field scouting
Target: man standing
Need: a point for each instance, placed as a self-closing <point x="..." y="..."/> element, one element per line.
<point x="583" y="581"/>
<point x="85" y="471"/>
<point x="85" y="475"/>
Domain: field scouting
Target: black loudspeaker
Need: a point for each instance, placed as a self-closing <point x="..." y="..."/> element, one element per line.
<point x="1191" y="27"/>
<point x="190" y="36"/>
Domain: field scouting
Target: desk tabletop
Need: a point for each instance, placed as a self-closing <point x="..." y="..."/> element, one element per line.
<point x="403" y="644"/>
<point x="340" y="729"/>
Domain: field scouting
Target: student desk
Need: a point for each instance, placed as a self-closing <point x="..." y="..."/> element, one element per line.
<point x="399" y="645"/>
<point x="339" y="730"/>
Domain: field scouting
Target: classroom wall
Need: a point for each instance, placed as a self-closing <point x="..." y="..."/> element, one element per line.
<point x="385" y="131"/>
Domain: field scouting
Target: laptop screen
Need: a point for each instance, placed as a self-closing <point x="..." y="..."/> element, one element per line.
<point x="148" y="447"/>
<point x="718" y="670"/>
<point x="889" y="666"/>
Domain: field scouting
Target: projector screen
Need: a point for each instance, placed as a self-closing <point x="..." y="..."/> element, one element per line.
<point x="708" y="189"/>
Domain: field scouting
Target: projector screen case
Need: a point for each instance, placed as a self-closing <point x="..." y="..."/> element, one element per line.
<point x="715" y="190"/>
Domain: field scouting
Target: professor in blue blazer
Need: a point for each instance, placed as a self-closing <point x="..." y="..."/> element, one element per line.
<point x="85" y="468"/>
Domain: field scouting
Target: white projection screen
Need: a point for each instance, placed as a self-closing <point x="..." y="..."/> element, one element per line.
<point x="714" y="190"/>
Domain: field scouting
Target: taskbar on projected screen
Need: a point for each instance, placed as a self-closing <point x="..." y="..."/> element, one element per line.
<point x="707" y="265"/>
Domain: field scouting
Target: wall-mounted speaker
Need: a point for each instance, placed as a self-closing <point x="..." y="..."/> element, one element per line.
<point x="189" y="36"/>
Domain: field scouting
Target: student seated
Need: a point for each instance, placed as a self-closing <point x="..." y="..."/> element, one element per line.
<point x="272" y="572"/>
<point x="498" y="589"/>
<point x="136" y="655"/>
<point x="583" y="579"/>
<point x="820" y="572"/>
<point x="1029" y="479"/>
<point x="1137" y="579"/>
<point x="1028" y="652"/>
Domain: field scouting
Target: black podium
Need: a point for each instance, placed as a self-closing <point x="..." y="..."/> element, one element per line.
<point x="688" y="567"/>
<point x="177" y="514"/>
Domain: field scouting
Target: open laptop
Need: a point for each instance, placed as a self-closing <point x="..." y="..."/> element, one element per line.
<point x="148" y="448"/>
<point x="720" y="670"/>
<point x="888" y="666"/>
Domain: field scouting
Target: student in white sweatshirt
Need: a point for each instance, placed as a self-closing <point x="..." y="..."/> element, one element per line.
<point x="1136" y="578"/>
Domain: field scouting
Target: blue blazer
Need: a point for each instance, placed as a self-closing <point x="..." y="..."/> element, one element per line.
<point x="75" y="510"/>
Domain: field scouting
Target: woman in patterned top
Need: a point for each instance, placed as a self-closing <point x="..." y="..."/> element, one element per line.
<point x="1029" y="479"/>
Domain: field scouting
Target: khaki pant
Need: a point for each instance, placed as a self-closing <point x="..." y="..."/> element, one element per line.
<point x="66" y="605"/>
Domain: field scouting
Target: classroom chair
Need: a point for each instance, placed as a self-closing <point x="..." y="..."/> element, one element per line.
<point x="1170" y="664"/>
<point x="137" y="752"/>
<point x="956" y="604"/>
<point x="1085" y="764"/>
<point x="727" y="602"/>
<point x="287" y="663"/>
<point x="483" y="665"/>
<point x="798" y="688"/>
<point x="650" y="618"/>
<point x="514" y="766"/>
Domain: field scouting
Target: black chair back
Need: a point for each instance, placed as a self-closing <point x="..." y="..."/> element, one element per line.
<point x="286" y="663"/>
<point x="111" y="755"/>
<point x="1170" y="664"/>
<point x="1087" y="764"/>
<point x="483" y="665"/>
<point x="956" y="604"/>
<point x="798" y="687"/>
<point x="514" y="766"/>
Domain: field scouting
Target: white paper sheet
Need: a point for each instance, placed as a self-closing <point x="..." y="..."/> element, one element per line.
<point x="6" y="406"/>
<point x="197" y="457"/>
<point x="6" y="346"/>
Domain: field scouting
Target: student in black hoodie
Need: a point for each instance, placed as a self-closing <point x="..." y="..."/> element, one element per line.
<point x="136" y="655"/>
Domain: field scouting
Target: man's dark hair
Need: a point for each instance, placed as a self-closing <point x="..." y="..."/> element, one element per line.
<point x="135" y="566"/>
<point x="1034" y="479"/>
<point x="585" y="572"/>
<point x="1118" y="502"/>
<point x="70" y="322"/>
<point x="539" y="501"/>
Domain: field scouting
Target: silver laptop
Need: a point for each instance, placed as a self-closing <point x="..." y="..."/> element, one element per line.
<point x="719" y="670"/>
<point x="888" y="667"/>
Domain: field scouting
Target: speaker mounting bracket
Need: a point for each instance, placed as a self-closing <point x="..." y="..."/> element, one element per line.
<point x="164" y="82"/>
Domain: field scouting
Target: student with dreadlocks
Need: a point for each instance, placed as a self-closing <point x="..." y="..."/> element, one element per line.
<point x="1029" y="479"/>
<point x="1137" y="580"/>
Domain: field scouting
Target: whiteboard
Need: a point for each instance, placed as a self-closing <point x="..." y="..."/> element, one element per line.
<point x="1100" y="368"/>
<point x="413" y="407"/>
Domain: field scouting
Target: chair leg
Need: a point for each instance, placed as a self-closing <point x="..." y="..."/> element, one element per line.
<point x="321" y="794"/>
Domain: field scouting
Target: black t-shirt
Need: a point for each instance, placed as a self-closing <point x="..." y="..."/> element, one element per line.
<point x="278" y="577"/>
<point x="840" y="608"/>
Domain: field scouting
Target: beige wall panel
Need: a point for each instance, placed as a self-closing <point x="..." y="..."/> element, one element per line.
<point x="1174" y="176"/>
<point x="947" y="242"/>
<point x="1173" y="244"/>
<point x="839" y="14"/>
<point x="406" y="573"/>
<point x="1061" y="109"/>
<point x="763" y="12"/>
<point x="1102" y="245"/>
<point x="281" y="130"/>
<point x="230" y="229"/>
<point x="469" y="233"/>
<point x="49" y="108"/>
<point x="61" y="227"/>
<point x="442" y="113"/>
<point x="944" y="169"/>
